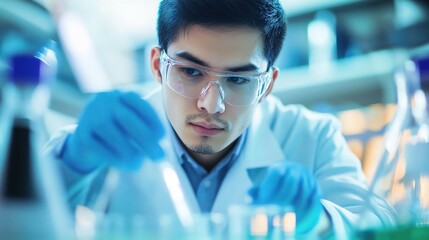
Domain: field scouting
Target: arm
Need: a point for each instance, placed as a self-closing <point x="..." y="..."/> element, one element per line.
<point x="344" y="185"/>
<point x="315" y="141"/>
<point x="78" y="186"/>
<point x="115" y="130"/>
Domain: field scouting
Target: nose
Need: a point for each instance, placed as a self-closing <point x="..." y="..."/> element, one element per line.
<point x="212" y="98"/>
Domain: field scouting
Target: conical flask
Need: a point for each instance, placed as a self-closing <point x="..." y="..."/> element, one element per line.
<point x="148" y="203"/>
<point x="402" y="174"/>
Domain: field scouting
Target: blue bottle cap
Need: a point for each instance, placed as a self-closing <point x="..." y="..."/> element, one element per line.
<point x="26" y="69"/>
<point x="422" y="64"/>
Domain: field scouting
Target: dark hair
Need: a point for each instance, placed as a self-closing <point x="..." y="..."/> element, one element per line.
<point x="267" y="16"/>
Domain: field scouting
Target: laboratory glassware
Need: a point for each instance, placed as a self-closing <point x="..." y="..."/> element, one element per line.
<point x="32" y="200"/>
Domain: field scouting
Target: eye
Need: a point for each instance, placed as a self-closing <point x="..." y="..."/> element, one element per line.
<point x="192" y="72"/>
<point x="238" y="80"/>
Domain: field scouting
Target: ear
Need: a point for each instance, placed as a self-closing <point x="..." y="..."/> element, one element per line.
<point x="155" y="55"/>
<point x="274" y="76"/>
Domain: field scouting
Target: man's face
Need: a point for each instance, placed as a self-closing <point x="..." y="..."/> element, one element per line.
<point x="208" y="124"/>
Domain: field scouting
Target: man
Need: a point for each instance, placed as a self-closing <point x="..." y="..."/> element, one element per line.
<point x="231" y="139"/>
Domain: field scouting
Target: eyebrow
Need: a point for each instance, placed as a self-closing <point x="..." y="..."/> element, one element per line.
<point x="244" y="68"/>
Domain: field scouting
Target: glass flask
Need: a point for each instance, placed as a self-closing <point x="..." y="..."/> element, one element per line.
<point x="259" y="222"/>
<point x="148" y="203"/>
<point x="402" y="174"/>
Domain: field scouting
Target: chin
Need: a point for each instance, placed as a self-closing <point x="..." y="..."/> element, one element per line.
<point x="203" y="149"/>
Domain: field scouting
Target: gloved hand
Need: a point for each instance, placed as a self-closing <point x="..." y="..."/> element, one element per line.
<point x="291" y="184"/>
<point x="115" y="129"/>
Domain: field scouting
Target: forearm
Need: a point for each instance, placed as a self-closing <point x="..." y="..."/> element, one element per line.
<point x="80" y="188"/>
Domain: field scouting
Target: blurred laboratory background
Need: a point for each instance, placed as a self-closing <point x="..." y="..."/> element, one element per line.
<point x="339" y="56"/>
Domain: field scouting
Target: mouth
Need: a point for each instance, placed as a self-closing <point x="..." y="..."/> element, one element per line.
<point x="206" y="129"/>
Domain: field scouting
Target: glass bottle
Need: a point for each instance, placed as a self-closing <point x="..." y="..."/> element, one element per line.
<point x="148" y="203"/>
<point x="322" y="42"/>
<point x="32" y="201"/>
<point x="402" y="174"/>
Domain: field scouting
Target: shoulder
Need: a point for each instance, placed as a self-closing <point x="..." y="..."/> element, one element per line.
<point x="277" y="114"/>
<point x="306" y="136"/>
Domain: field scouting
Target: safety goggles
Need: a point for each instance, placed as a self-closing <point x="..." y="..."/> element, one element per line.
<point x="193" y="81"/>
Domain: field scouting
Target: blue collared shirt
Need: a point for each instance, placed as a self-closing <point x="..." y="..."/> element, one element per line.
<point x="206" y="184"/>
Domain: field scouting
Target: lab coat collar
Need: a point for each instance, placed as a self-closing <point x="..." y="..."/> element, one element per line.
<point x="260" y="151"/>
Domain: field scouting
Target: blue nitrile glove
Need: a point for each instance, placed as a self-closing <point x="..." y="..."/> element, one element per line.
<point x="115" y="129"/>
<point x="291" y="184"/>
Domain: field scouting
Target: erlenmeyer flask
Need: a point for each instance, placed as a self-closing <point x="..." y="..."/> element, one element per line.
<point x="148" y="203"/>
<point x="402" y="175"/>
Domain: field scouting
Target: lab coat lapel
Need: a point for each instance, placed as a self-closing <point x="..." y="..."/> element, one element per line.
<point x="260" y="151"/>
<point x="184" y="181"/>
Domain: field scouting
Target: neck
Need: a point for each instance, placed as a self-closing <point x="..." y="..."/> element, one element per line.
<point x="209" y="161"/>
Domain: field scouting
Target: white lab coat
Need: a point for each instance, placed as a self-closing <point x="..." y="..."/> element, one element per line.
<point x="277" y="133"/>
